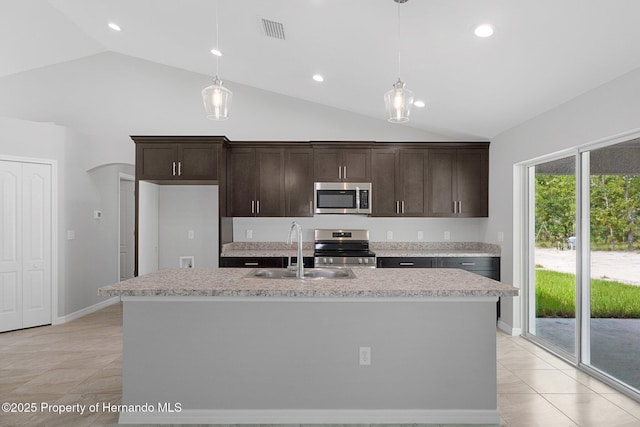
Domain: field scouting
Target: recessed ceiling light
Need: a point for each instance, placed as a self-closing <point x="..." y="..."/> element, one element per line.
<point x="216" y="52"/>
<point x="419" y="103"/>
<point x="318" y="78"/>
<point x="484" y="30"/>
<point x="114" y="26"/>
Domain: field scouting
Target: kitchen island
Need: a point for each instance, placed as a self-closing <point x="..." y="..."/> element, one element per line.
<point x="389" y="346"/>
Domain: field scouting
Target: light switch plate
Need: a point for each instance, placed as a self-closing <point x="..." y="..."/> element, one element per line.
<point x="420" y="235"/>
<point x="447" y="235"/>
<point x="389" y="235"/>
<point x="191" y="234"/>
<point x="249" y="234"/>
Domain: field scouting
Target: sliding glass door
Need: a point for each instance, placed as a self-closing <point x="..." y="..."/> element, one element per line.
<point x="583" y="293"/>
<point x="552" y="296"/>
<point x="614" y="280"/>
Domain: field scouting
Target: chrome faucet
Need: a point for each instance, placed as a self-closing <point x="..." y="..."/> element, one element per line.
<point x="300" y="264"/>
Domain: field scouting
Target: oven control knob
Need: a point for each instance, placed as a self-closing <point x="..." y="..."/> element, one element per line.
<point x="330" y="260"/>
<point x="324" y="260"/>
<point x="359" y="260"/>
<point x="366" y="260"/>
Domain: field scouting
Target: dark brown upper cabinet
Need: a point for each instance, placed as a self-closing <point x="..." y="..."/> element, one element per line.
<point x="458" y="182"/>
<point x="256" y="182"/>
<point x="166" y="159"/>
<point x="298" y="181"/>
<point x="342" y="164"/>
<point x="399" y="183"/>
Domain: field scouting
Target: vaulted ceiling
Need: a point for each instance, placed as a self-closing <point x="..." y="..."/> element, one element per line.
<point x="543" y="52"/>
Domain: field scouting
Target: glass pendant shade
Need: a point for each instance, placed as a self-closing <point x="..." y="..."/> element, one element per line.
<point x="217" y="100"/>
<point x="398" y="102"/>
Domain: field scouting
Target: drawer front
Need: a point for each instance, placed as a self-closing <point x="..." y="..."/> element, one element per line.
<point x="251" y="262"/>
<point x="469" y="263"/>
<point x="409" y="262"/>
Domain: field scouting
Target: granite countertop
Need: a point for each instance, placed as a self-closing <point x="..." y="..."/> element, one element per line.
<point x="381" y="249"/>
<point x="388" y="282"/>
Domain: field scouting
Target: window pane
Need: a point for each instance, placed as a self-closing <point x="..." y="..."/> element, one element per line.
<point x="615" y="261"/>
<point x="554" y="258"/>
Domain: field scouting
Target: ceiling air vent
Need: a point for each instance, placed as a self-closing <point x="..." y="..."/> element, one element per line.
<point x="273" y="29"/>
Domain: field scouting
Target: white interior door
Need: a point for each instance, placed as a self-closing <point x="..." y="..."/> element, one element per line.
<point x="10" y="246"/>
<point x="36" y="249"/>
<point x="25" y="258"/>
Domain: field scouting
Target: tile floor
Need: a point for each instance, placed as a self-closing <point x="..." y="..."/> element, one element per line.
<point x="80" y="362"/>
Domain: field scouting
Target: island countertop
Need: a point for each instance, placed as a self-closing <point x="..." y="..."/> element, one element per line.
<point x="377" y="283"/>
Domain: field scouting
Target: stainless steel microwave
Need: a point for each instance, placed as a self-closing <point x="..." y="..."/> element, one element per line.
<point x="342" y="198"/>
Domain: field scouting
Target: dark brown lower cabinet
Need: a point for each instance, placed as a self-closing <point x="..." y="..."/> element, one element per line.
<point x="261" y="262"/>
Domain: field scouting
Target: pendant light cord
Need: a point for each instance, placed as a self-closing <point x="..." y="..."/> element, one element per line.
<point x="217" y="43"/>
<point x="398" y="40"/>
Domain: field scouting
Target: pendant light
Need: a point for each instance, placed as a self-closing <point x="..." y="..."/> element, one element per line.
<point x="216" y="97"/>
<point x="398" y="101"/>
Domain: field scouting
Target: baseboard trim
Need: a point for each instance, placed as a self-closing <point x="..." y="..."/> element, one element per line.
<point x="308" y="416"/>
<point x="505" y="327"/>
<point x="87" y="310"/>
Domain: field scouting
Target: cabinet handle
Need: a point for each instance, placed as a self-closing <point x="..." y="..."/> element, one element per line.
<point x="406" y="263"/>
<point x="174" y="168"/>
<point x="252" y="207"/>
<point x="258" y="206"/>
<point x="397" y="207"/>
<point x="459" y="206"/>
<point x="250" y="264"/>
<point x="344" y="174"/>
<point x="455" y="207"/>
<point x="179" y="168"/>
<point x="402" y="204"/>
<point x="311" y="207"/>
<point x="339" y="172"/>
<point x="467" y="263"/>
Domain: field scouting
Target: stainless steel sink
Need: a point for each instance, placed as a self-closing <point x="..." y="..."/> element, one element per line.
<point x="309" y="273"/>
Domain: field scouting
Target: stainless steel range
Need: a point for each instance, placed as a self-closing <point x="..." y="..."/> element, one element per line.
<point x="343" y="248"/>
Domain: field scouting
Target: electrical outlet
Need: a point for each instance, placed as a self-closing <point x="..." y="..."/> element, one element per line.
<point x="447" y="235"/>
<point x="190" y="234"/>
<point x="97" y="214"/>
<point x="389" y="235"/>
<point x="420" y="235"/>
<point x="500" y="236"/>
<point x="71" y="234"/>
<point x="365" y="356"/>
<point x="248" y="234"/>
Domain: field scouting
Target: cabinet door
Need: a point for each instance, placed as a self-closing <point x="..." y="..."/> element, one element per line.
<point x="385" y="202"/>
<point x="156" y="161"/>
<point x="242" y="182"/>
<point x="298" y="182"/>
<point x="198" y="161"/>
<point x="441" y="182"/>
<point x="412" y="182"/>
<point x="327" y="165"/>
<point x="356" y="165"/>
<point x="472" y="170"/>
<point x="251" y="262"/>
<point x="270" y="182"/>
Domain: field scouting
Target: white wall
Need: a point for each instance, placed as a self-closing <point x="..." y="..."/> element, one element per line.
<point x="183" y="208"/>
<point x="604" y="112"/>
<point x="89" y="260"/>
<point x="111" y="96"/>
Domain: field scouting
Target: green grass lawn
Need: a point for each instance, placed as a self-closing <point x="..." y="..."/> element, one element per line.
<point x="556" y="297"/>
